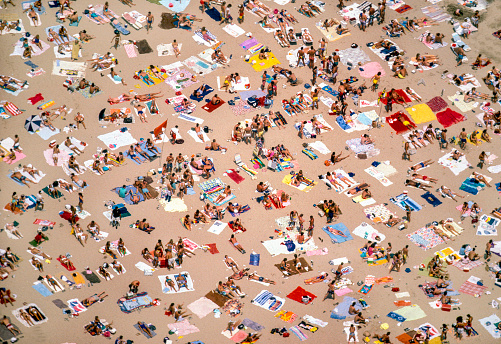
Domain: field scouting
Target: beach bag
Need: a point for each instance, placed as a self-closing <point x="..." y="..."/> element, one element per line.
<point x="128" y="120"/>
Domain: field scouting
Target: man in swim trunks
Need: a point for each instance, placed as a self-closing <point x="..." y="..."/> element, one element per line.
<point x="9" y="326"/>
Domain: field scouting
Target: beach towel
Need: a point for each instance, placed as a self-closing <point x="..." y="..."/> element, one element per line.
<point x="455" y="166"/>
<point x="129" y="305"/>
<point x="153" y="333"/>
<point x="458" y="101"/>
<point x="202" y="307"/>
<point x="338" y="239"/>
<point x="378" y="213"/>
<point x="425" y="238"/>
<point x="449" y="117"/>
<point x="331" y="33"/>
<point x="302" y="187"/>
<point x="179" y="288"/>
<point x="437" y="103"/>
<point x="209" y="107"/>
<point x="234" y="30"/>
<point x="42" y="289"/>
<point x="260" y="65"/>
<point x="403" y="200"/>
<point x="396" y="125"/>
<point x="431" y="199"/>
<point x="353" y="56"/>
<point x="471" y="287"/>
<point x="367" y="232"/>
<point x="489" y="323"/>
<point x="341" y="310"/>
<point x="421" y="113"/>
<point x="299" y="333"/>
<point x="183" y="328"/>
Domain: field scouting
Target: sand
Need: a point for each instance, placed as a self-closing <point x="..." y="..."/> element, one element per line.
<point x="207" y="269"/>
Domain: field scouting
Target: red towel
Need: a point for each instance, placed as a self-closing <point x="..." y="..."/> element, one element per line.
<point x="209" y="107"/>
<point x="59" y="260"/>
<point x="436" y="104"/>
<point x="237" y="178"/>
<point x="400" y="93"/>
<point x="449" y="117"/>
<point x="212" y="248"/>
<point x="396" y="125"/>
<point x="67" y="216"/>
<point x="298" y="293"/>
<point x="37" y="98"/>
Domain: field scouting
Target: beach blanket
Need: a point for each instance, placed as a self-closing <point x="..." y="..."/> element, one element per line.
<point x="371" y="69"/>
<point x="341" y="310"/>
<point x="380" y="176"/>
<point x="397" y="125"/>
<point x="202" y="307"/>
<point x="302" y="187"/>
<point x="471" y="287"/>
<point x="335" y="238"/>
<point x="455" y="166"/>
<point x="260" y="65"/>
<point x="384" y="53"/>
<point x="378" y="213"/>
<point x="69" y="68"/>
<point x="298" y="294"/>
<point x="425" y="238"/>
<point x="437" y="103"/>
<point x="180" y="287"/>
<point x="353" y="56"/>
<point x="489" y="323"/>
<point x="449" y="117"/>
<point x="17" y="315"/>
<point x="421" y="113"/>
<point x="234" y="30"/>
<point x="331" y="33"/>
<point x="403" y="200"/>
<point x="436" y="13"/>
<point x="458" y="101"/>
<point x="471" y="186"/>
<point x="367" y="232"/>
<point x="209" y="107"/>
<point x="268" y="301"/>
<point x="129" y="305"/>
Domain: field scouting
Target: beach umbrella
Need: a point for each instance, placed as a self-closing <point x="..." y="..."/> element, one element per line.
<point x="33" y="123"/>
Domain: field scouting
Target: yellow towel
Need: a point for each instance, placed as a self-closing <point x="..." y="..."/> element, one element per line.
<point x="260" y="65"/>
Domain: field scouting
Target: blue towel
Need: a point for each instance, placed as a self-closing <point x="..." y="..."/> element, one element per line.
<point x="42" y="289"/>
<point x="396" y="317"/>
<point x="214" y="14"/>
<point x="329" y="90"/>
<point x="127" y="198"/>
<point x="341" y="311"/>
<point x="431" y="199"/>
<point x="202" y="95"/>
<point x="340" y="120"/>
<point x="362" y="117"/>
<point x="471" y="187"/>
<point x="338" y="238"/>
<point x="403" y="200"/>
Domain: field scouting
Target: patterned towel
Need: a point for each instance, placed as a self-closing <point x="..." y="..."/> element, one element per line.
<point x="297" y="331"/>
<point x="466" y="264"/>
<point x="425" y="238"/>
<point x="472" y="288"/>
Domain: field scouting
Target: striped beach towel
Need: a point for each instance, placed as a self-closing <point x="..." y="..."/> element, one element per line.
<point x="130" y="50"/>
<point x="14" y="110"/>
<point x="297" y="331"/>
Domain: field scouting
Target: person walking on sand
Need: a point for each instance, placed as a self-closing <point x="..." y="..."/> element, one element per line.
<point x="149" y="22"/>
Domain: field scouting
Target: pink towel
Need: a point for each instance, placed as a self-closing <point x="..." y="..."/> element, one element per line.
<point x="130" y="50"/>
<point x="341" y="292"/>
<point x="319" y="252"/>
<point x="19" y="156"/>
<point x="370" y="69"/>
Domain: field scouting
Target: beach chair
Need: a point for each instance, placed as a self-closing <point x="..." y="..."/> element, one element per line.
<point x="119" y="27"/>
